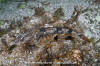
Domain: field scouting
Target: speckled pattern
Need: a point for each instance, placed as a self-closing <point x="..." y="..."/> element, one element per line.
<point x="32" y="39"/>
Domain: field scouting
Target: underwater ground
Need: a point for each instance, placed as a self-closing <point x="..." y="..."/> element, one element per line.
<point x="49" y="32"/>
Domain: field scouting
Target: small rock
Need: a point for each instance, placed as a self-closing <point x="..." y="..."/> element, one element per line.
<point x="98" y="18"/>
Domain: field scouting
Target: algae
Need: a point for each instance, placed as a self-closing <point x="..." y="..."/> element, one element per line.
<point x="1" y="22"/>
<point x="58" y="14"/>
<point x="22" y="5"/>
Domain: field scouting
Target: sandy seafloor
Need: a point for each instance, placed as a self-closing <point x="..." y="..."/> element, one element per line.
<point x="10" y="8"/>
<point x="10" y="12"/>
